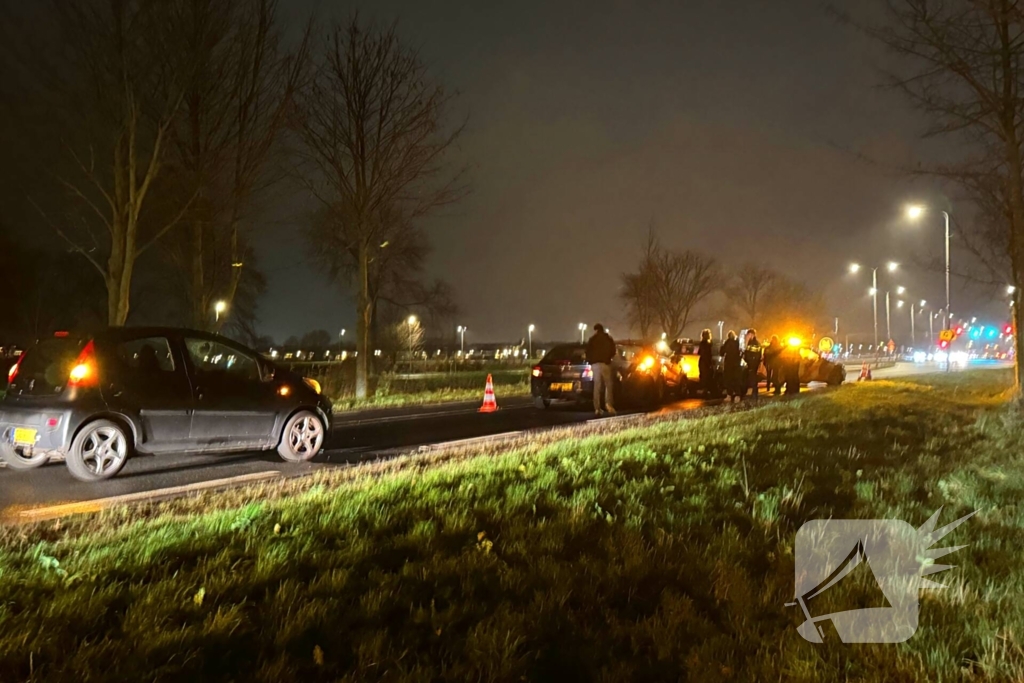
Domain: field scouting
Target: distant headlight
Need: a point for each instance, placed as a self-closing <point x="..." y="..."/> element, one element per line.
<point x="313" y="384"/>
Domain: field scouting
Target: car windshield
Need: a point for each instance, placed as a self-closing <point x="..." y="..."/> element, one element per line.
<point x="44" y="368"/>
<point x="567" y="353"/>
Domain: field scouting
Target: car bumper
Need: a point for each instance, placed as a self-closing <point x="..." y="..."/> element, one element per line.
<point x="562" y="390"/>
<point x="51" y="428"/>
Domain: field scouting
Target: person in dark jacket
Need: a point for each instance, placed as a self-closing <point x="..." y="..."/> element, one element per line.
<point x="730" y="353"/>
<point x="772" y="360"/>
<point x="600" y="352"/>
<point x="752" y="359"/>
<point x="706" y="363"/>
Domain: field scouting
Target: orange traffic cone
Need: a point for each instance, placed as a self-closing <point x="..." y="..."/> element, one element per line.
<point x="490" y="405"/>
<point x="865" y="372"/>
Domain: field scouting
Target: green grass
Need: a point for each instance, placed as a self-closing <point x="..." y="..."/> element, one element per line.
<point x="661" y="552"/>
<point x="456" y="386"/>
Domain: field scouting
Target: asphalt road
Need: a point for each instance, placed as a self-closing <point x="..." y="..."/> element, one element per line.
<point x="357" y="437"/>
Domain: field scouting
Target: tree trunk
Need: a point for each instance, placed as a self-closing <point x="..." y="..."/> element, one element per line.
<point x="364" y="315"/>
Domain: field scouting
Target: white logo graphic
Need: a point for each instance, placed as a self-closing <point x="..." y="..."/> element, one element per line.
<point x="882" y="564"/>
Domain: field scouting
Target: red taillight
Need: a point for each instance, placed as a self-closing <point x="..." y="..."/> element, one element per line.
<point x="13" y="372"/>
<point x="83" y="371"/>
<point x="537" y="372"/>
<point x="60" y="334"/>
<point x="588" y="373"/>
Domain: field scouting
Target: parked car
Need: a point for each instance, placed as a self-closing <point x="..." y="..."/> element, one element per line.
<point x="98" y="398"/>
<point x="563" y="374"/>
<point x="643" y="375"/>
<point x="816" y="368"/>
<point x="649" y="373"/>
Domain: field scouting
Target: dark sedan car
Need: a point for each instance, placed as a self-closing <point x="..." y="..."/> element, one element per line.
<point x="563" y="374"/>
<point x="97" y="398"/>
<point x="643" y="375"/>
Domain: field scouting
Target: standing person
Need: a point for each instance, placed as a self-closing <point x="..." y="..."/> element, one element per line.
<point x="600" y="352"/>
<point x="771" y="365"/>
<point x="752" y="357"/>
<point x="730" y="353"/>
<point x="706" y="364"/>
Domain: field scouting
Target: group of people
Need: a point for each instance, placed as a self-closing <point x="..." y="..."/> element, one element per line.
<point x="740" y="368"/>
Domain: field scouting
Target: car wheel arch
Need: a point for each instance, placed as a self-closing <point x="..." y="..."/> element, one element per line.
<point x="123" y="421"/>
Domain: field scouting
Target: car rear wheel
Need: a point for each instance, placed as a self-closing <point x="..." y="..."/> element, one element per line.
<point x="18" y="461"/>
<point x="837" y="376"/>
<point x="541" y="402"/>
<point x="98" y="451"/>
<point x="302" y="437"/>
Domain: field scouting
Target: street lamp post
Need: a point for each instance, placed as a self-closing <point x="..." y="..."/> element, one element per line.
<point x="462" y="339"/>
<point x="583" y="332"/>
<point x="529" y="335"/>
<point x="891" y="266"/>
<point x="412" y="322"/>
<point x="721" y="324"/>
<point x="916" y="211"/>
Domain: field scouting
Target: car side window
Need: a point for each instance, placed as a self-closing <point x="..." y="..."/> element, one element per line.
<point x="213" y="360"/>
<point x="144" y="358"/>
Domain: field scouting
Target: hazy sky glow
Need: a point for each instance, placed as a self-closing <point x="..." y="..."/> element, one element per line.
<point x="735" y="127"/>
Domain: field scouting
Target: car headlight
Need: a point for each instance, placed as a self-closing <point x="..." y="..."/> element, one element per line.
<point x="686" y="368"/>
<point x="313" y="384"/>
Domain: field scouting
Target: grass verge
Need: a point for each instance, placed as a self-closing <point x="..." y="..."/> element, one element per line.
<point x="462" y="386"/>
<point x="660" y="552"/>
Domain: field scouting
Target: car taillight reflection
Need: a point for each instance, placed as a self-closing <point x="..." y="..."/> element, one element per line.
<point x="13" y="372"/>
<point x="537" y="372"/>
<point x="588" y="373"/>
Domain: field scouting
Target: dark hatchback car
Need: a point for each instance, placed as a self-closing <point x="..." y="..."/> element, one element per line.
<point x="97" y="398"/>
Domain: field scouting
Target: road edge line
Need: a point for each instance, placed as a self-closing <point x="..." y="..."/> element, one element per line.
<point x="42" y="514"/>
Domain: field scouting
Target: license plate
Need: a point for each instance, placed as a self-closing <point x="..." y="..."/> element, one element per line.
<point x="561" y="386"/>
<point x="24" y="436"/>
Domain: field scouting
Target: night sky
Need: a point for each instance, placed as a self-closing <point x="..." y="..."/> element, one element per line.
<point x="738" y="128"/>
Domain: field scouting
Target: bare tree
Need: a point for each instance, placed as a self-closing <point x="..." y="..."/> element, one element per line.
<point x="234" y="113"/>
<point x="118" y="73"/>
<point x="668" y="286"/>
<point x="373" y="127"/>
<point x="962" y="65"/>
<point x="639" y="289"/>
<point x="746" y="293"/>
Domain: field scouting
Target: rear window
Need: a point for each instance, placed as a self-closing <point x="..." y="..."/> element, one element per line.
<point x="44" y="368"/>
<point x="574" y="355"/>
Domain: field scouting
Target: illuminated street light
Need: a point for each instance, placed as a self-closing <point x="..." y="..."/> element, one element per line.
<point x="1010" y="289"/>
<point x="854" y="267"/>
<point x="923" y="303"/>
<point x="529" y="334"/>
<point x="899" y="304"/>
<point x="461" y="329"/>
<point x="411" y="320"/>
<point x="915" y="211"/>
<point x="583" y="331"/>
<point x="219" y="308"/>
<point x="901" y="290"/>
<point x="892" y="266"/>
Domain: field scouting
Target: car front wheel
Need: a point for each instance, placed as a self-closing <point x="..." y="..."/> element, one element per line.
<point x="98" y="451"/>
<point x="302" y="438"/>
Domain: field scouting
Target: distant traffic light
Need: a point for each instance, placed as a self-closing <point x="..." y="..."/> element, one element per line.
<point x="959" y="330"/>
<point x="943" y="344"/>
<point x="1008" y="329"/>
